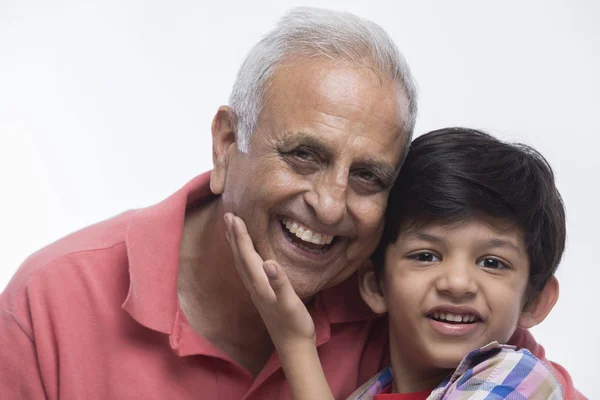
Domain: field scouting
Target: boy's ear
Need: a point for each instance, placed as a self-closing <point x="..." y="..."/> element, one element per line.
<point x="537" y="310"/>
<point x="370" y="289"/>
<point x="223" y="137"/>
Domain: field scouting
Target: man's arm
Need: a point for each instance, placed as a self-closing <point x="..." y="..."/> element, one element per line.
<point x="285" y="315"/>
<point x="19" y="372"/>
<point x="523" y="339"/>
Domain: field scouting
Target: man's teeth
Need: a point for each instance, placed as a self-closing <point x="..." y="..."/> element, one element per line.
<point x="306" y="234"/>
<point x="454" y="317"/>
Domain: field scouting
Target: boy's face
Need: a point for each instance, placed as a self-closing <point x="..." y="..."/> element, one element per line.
<point x="450" y="289"/>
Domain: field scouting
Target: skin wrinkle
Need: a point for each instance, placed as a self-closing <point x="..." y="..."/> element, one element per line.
<point x="264" y="185"/>
<point x="385" y="171"/>
<point x="325" y="117"/>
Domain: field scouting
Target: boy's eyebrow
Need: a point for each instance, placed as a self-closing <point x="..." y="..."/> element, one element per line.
<point x="414" y="234"/>
<point x="502" y="243"/>
<point x="490" y="243"/>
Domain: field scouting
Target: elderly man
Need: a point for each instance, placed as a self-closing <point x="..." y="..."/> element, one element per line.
<point x="149" y="304"/>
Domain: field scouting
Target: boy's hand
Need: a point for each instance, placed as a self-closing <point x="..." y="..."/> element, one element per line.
<point x="285" y="315"/>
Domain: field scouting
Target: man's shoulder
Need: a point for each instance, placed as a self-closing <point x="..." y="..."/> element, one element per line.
<point x="79" y="248"/>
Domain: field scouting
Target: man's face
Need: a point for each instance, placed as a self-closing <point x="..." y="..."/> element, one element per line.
<point x="313" y="186"/>
<point x="452" y="289"/>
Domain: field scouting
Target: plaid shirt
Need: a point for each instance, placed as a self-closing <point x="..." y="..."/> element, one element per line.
<point x="492" y="372"/>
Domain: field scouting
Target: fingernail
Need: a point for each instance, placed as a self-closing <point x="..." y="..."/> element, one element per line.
<point x="270" y="269"/>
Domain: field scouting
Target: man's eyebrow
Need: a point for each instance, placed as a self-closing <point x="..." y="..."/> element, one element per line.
<point x="383" y="169"/>
<point x="413" y="234"/>
<point x="305" y="139"/>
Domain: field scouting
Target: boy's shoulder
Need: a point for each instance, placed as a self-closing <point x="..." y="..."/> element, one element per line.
<point x="492" y="371"/>
<point x="500" y="370"/>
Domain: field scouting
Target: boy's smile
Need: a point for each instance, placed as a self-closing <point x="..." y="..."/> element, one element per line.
<point x="450" y="289"/>
<point x="454" y="320"/>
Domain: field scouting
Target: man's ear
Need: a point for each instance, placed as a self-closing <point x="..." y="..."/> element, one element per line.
<point x="538" y="308"/>
<point x="370" y="289"/>
<point x="223" y="137"/>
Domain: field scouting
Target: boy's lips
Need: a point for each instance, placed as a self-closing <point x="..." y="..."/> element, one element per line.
<point x="453" y="313"/>
<point x="452" y="320"/>
<point x="453" y="329"/>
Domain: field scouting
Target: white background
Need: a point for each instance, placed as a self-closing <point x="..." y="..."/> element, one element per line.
<point x="106" y="106"/>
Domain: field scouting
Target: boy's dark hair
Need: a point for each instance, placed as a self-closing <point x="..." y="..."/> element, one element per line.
<point x="451" y="174"/>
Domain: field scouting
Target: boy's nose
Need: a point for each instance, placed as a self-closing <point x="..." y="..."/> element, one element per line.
<point x="457" y="280"/>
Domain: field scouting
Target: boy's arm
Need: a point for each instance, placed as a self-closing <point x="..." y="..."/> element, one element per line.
<point x="288" y="321"/>
<point x="522" y="338"/>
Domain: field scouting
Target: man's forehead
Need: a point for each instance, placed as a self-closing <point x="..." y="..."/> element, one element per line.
<point x="341" y="89"/>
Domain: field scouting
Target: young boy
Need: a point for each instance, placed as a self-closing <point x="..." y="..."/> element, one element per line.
<point x="475" y="229"/>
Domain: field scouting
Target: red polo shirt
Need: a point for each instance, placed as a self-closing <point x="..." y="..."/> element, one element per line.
<point x="96" y="316"/>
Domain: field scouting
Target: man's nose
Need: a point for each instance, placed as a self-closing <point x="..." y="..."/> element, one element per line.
<point x="328" y="196"/>
<point x="457" y="279"/>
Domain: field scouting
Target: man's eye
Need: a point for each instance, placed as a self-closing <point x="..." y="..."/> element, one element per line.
<point x="367" y="176"/>
<point x="368" y="180"/>
<point x="302" y="154"/>
<point x="492" y="263"/>
<point x="424" y="257"/>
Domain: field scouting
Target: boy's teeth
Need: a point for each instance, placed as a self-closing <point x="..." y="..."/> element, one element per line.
<point x="306" y="234"/>
<point x="453" y="317"/>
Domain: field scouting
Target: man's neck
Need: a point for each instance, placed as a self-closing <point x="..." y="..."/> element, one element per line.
<point x="211" y="294"/>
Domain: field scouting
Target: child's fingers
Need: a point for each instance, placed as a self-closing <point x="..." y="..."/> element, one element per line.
<point x="284" y="292"/>
<point x="248" y="262"/>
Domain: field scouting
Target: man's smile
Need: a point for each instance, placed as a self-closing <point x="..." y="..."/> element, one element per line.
<point x="306" y="238"/>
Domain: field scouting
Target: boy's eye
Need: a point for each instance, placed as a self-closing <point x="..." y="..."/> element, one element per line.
<point x="492" y="263"/>
<point x="424" y="257"/>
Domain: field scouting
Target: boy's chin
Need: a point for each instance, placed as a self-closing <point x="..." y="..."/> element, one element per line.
<point x="448" y="362"/>
<point x="449" y="358"/>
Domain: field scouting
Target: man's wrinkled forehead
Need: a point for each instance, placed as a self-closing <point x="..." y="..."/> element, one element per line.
<point x="338" y="84"/>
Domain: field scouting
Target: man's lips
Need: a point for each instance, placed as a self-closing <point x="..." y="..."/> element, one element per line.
<point x="305" y="233"/>
<point x="319" y="255"/>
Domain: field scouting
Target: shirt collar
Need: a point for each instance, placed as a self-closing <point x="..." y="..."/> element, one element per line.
<point x="153" y="242"/>
<point x="384" y="378"/>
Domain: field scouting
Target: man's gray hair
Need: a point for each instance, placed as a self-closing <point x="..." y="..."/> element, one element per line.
<point x="308" y="32"/>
